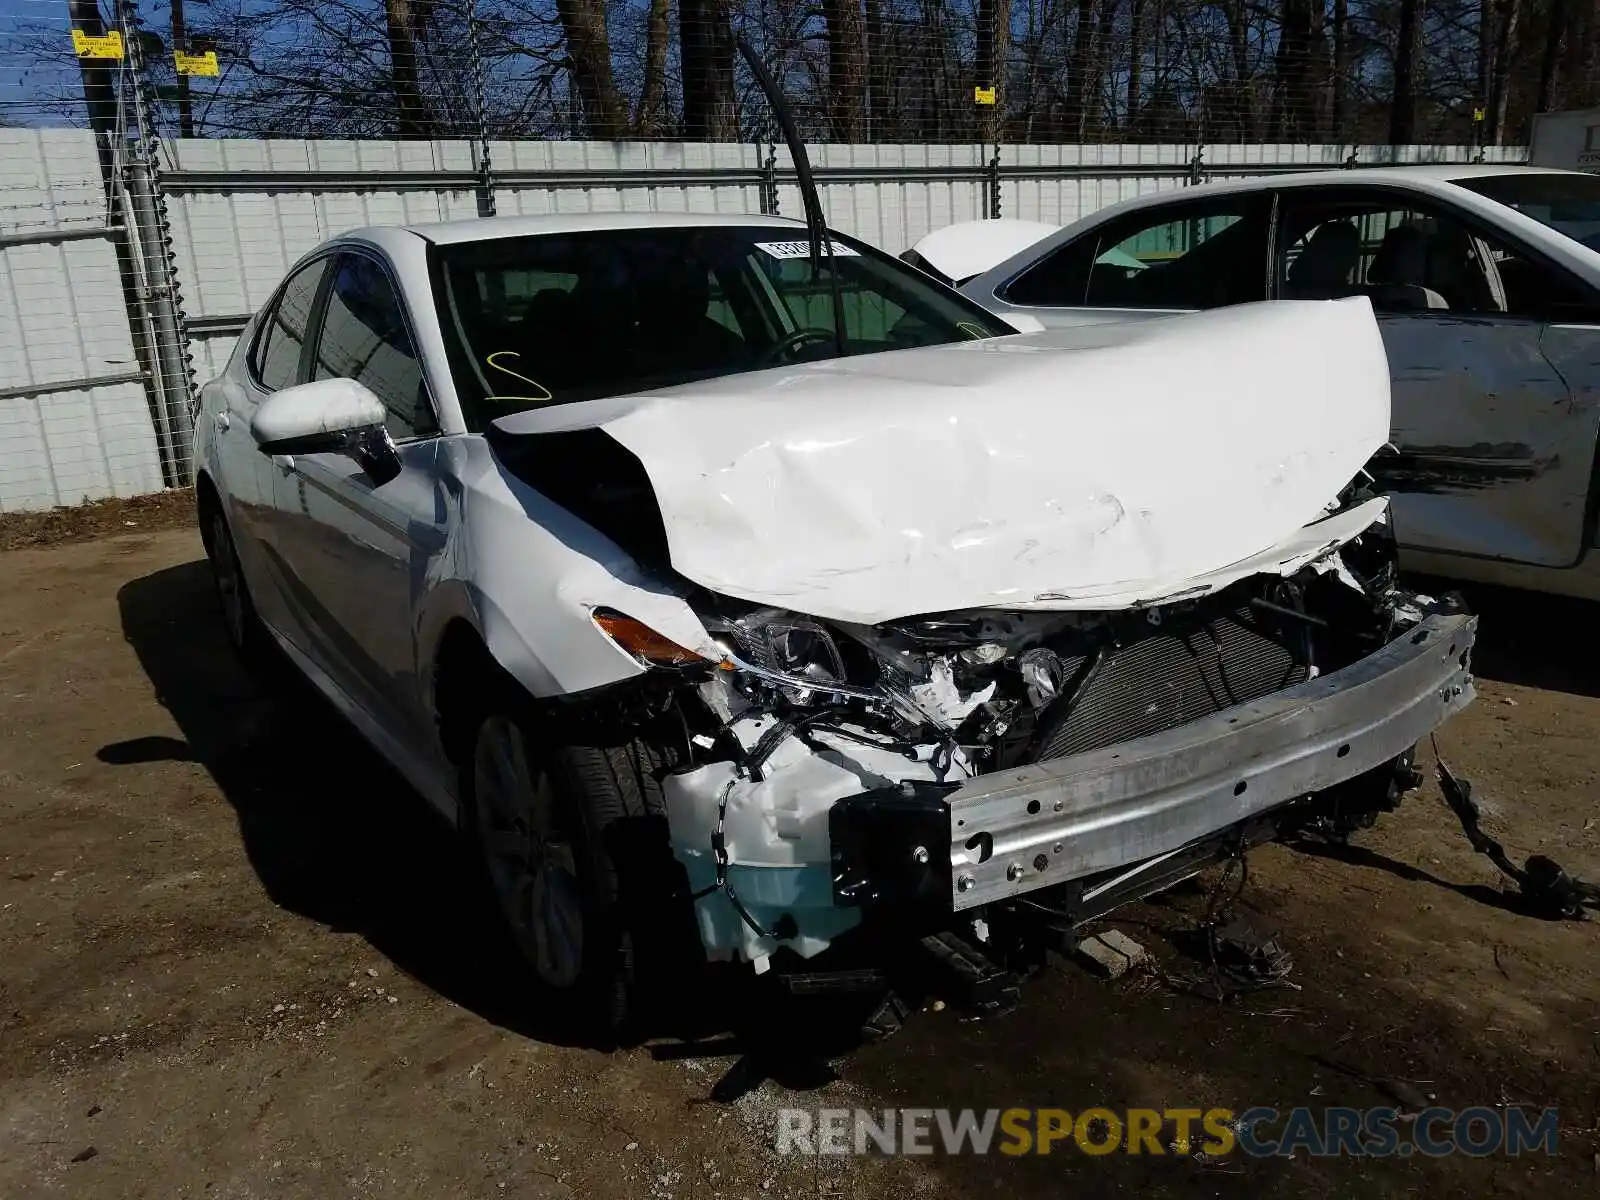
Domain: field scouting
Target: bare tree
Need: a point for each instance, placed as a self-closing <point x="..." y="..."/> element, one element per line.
<point x="651" y="118"/>
<point x="1301" y="65"/>
<point x="1403" y="105"/>
<point x="589" y="63"/>
<point x="404" y="19"/>
<point x="847" y="69"/>
<point x="705" y="39"/>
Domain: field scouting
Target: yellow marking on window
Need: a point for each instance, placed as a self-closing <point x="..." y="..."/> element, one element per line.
<point x="498" y="354"/>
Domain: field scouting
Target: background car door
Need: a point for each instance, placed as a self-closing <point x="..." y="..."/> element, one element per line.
<point x="1177" y="257"/>
<point x="1496" y="454"/>
<point x="356" y="551"/>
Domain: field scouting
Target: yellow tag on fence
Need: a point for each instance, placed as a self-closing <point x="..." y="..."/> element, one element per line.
<point x="87" y="46"/>
<point x="195" y="64"/>
<point x="1477" y="114"/>
<point x="983" y="95"/>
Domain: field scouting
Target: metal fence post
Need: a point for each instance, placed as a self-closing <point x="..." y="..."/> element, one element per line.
<point x="480" y="150"/>
<point x="158" y="287"/>
<point x="156" y="293"/>
<point x="992" y="182"/>
<point x="768" y="187"/>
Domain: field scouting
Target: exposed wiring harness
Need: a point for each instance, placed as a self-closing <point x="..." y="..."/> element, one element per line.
<point x="1542" y="881"/>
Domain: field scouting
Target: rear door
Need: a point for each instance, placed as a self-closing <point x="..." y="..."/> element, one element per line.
<point x="274" y="359"/>
<point x="356" y="550"/>
<point x="1181" y="256"/>
<point x="1495" y="453"/>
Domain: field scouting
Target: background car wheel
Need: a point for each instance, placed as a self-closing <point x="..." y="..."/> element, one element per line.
<point x="574" y="844"/>
<point x="239" y="619"/>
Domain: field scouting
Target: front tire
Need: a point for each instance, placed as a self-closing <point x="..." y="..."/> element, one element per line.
<point x="573" y="840"/>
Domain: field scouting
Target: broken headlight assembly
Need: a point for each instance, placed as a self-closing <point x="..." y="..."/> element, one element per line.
<point x="642" y="643"/>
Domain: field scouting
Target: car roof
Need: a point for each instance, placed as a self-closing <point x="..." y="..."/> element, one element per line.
<point x="1439" y="180"/>
<point x="1428" y="175"/>
<point x="483" y="229"/>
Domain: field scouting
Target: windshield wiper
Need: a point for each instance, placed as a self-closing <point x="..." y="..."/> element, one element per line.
<point x="811" y="201"/>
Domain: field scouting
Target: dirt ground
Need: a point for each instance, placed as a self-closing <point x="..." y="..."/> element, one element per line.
<point x="238" y="958"/>
<point x="173" y="509"/>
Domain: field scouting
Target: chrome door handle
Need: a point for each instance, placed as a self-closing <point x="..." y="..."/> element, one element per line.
<point x="284" y="462"/>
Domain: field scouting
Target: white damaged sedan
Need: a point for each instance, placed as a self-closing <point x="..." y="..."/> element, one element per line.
<point x="716" y="580"/>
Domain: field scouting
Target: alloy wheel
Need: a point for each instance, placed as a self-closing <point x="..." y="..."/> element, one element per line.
<point x="531" y="863"/>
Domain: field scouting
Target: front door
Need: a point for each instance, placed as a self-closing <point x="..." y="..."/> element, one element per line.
<point x="356" y="551"/>
<point x="1183" y="256"/>
<point x="1495" y="453"/>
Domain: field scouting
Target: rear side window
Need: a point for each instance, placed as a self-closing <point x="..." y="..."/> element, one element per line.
<point x="283" y="335"/>
<point x="1411" y="256"/>
<point x="364" y="338"/>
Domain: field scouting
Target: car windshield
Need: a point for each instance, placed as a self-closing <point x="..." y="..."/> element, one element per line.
<point x="1569" y="204"/>
<point x="556" y="318"/>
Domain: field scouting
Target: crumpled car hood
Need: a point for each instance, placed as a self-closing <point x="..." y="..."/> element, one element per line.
<point x="1098" y="467"/>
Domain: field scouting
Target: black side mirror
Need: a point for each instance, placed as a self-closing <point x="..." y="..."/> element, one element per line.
<point x="376" y="454"/>
<point x="372" y="449"/>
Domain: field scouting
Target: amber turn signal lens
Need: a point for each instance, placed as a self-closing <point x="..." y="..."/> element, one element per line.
<point x="639" y="639"/>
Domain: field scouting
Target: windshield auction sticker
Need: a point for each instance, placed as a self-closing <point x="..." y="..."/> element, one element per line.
<point x="802" y="249"/>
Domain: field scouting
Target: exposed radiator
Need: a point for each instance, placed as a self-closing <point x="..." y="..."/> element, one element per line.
<point x="1169" y="679"/>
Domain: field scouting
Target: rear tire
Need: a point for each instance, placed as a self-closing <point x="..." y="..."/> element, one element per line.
<point x="239" y="620"/>
<point x="574" y="843"/>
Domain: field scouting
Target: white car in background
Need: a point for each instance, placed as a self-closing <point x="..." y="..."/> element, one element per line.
<point x="709" y="613"/>
<point x="1486" y="284"/>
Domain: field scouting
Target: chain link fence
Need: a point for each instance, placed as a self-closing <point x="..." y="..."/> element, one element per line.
<point x="857" y="71"/>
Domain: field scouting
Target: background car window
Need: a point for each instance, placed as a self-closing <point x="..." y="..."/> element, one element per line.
<point x="283" y="334"/>
<point x="364" y="338"/>
<point x="1058" y="280"/>
<point x="1182" y="256"/>
<point x="1567" y="202"/>
<point x="872" y="320"/>
<point x="1408" y="257"/>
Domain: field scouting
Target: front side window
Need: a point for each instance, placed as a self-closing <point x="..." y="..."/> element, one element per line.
<point x="1183" y="256"/>
<point x="1408" y="256"/>
<point x="609" y="312"/>
<point x="283" y="334"/>
<point x="364" y="338"/>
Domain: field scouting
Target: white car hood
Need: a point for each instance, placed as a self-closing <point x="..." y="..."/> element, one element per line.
<point x="970" y="248"/>
<point x="1097" y="467"/>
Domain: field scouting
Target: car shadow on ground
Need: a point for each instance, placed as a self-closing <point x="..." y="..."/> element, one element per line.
<point x="335" y="835"/>
<point x="1532" y="640"/>
<point x="331" y="831"/>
